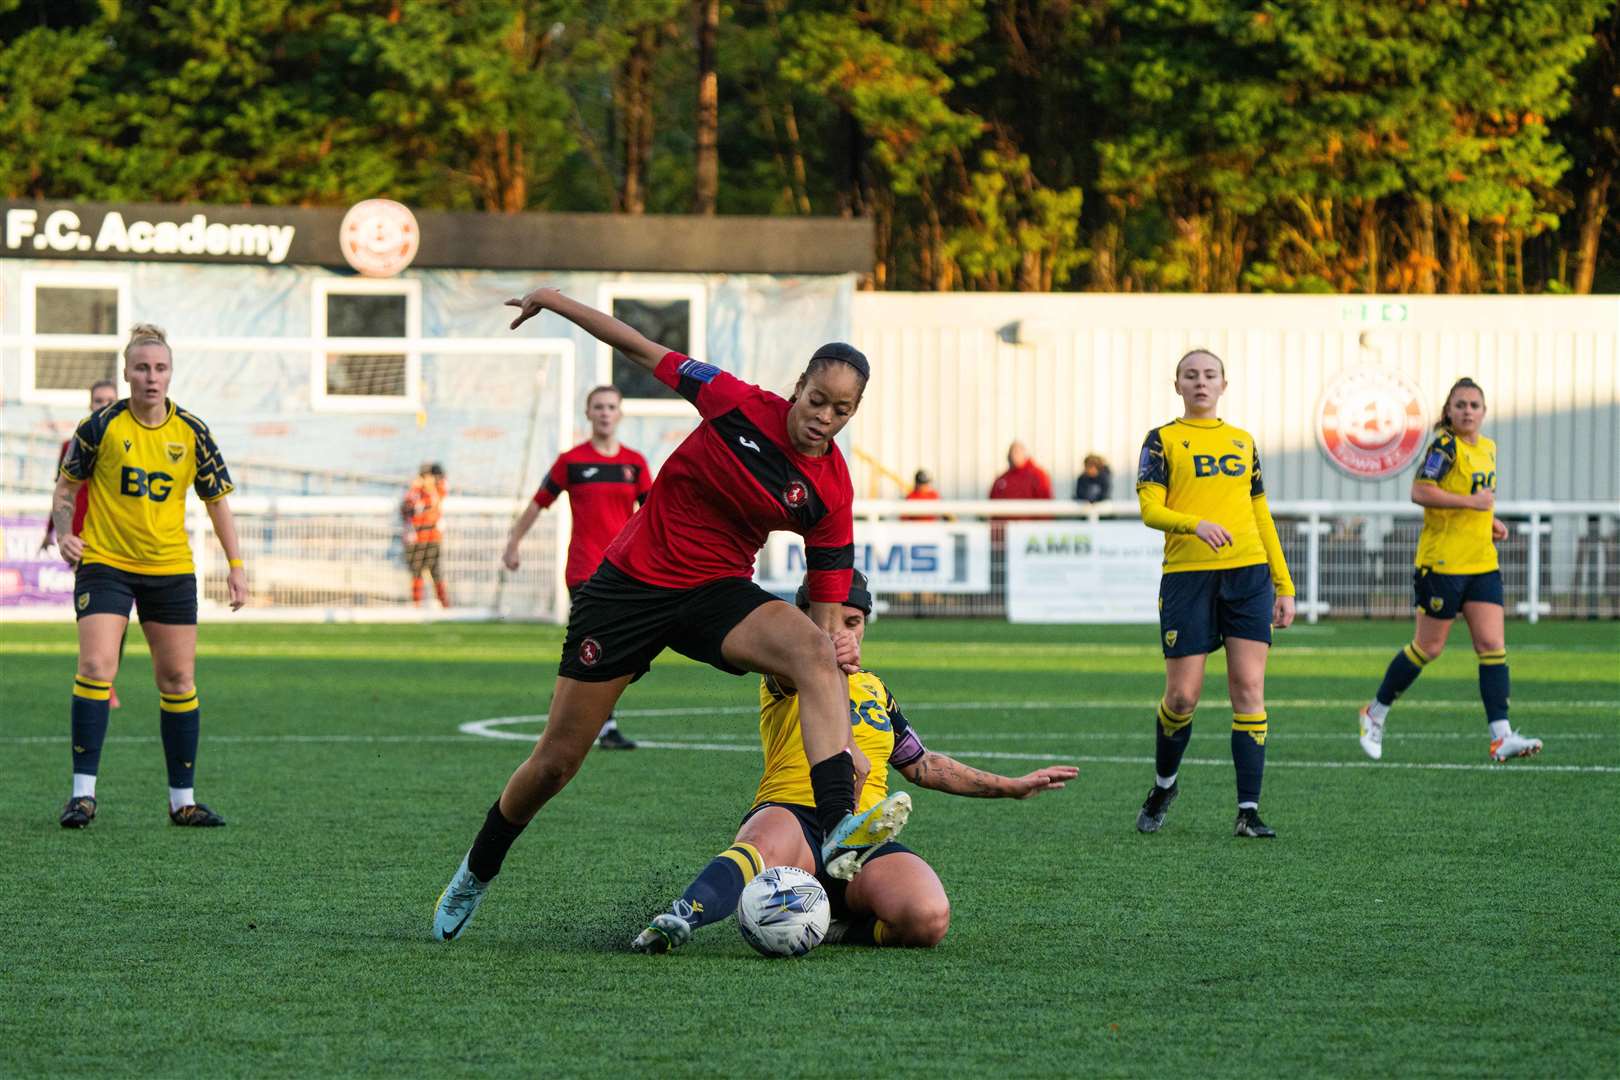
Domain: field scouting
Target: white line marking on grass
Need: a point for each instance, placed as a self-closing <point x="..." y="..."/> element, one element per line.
<point x="493" y="729"/>
<point x="1145" y="704"/>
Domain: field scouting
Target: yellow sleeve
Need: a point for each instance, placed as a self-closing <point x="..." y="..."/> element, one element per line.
<point x="1156" y="515"/>
<point x="1273" y="545"/>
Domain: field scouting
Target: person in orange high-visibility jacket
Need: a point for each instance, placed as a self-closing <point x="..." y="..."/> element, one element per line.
<point x="421" y="510"/>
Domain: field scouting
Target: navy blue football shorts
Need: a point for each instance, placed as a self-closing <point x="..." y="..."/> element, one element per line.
<point x="1442" y="596"/>
<point x="99" y="589"/>
<point x="617" y="624"/>
<point x="1200" y="609"/>
<point x="814" y="837"/>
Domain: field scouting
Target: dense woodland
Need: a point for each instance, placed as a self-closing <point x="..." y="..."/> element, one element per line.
<point x="1423" y="146"/>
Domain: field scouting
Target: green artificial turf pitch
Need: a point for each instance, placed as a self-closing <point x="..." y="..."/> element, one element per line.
<point x="1432" y="915"/>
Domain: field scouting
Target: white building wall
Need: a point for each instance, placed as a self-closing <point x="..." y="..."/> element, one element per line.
<point x="957" y="377"/>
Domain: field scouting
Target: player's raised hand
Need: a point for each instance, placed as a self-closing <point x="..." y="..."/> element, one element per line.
<point x="1212" y="534"/>
<point x="847" y="648"/>
<point x="531" y="305"/>
<point x="1282" y="612"/>
<point x="1050" y="778"/>
<point x="1483" y="500"/>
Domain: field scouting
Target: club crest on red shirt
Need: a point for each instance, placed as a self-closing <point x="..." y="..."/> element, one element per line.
<point x="795" y="494"/>
<point x="590" y="651"/>
<point x="629" y="474"/>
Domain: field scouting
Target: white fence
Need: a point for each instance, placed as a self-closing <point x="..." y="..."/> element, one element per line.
<point x="329" y="558"/>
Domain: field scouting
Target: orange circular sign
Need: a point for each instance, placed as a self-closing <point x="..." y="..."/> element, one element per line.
<point x="379" y="237"/>
<point x="1371" y="423"/>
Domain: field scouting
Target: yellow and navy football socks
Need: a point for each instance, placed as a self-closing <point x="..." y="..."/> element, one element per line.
<point x="1401" y="674"/>
<point x="714" y="893"/>
<point x="1249" y="755"/>
<point x="180" y="723"/>
<point x="1493" y="687"/>
<point x="91" y="714"/>
<point x="1170" y="743"/>
<point x="832" y="781"/>
<point x="492" y="843"/>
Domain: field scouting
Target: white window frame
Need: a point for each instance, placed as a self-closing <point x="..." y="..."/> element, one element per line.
<point x="320" y="400"/>
<point x="696" y="294"/>
<point x="32" y="341"/>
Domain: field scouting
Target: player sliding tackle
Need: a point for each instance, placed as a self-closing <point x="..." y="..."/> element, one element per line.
<point x="897" y="899"/>
<point x="680" y="575"/>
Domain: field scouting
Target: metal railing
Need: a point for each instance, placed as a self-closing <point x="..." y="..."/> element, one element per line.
<point x="341" y="557"/>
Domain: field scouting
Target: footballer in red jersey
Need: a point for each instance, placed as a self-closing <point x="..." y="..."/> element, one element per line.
<point x="606" y="481"/>
<point x="680" y="575"/>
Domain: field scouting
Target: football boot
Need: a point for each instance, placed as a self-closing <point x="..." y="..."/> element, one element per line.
<point x="858" y="836"/>
<point x="666" y="933"/>
<point x="1514" y="745"/>
<point x="457" y="903"/>
<point x="1155" y="806"/>
<point x="1249" y="824"/>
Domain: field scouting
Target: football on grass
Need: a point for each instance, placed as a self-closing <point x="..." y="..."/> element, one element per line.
<point x="784" y="912"/>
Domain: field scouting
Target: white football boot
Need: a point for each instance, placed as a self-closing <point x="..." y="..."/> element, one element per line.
<point x="1514" y="745"/>
<point x="1372" y="735"/>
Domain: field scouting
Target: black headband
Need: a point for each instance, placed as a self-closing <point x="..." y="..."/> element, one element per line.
<point x="844" y="354"/>
<point x="860" y="595"/>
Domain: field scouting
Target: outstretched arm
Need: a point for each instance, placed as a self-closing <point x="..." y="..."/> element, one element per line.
<point x="943" y="773"/>
<point x="600" y="325"/>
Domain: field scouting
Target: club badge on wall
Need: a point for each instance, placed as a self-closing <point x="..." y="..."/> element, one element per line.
<point x="379" y="237"/>
<point x="1371" y="422"/>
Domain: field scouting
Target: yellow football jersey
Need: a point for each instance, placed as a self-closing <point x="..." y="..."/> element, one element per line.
<point x="1458" y="541"/>
<point x="138" y="477"/>
<point x="1209" y="470"/>
<point x="877" y="724"/>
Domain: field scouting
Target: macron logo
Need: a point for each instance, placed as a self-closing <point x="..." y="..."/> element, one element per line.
<point x="751" y="444"/>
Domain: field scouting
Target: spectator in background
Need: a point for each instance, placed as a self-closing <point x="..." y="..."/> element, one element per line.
<point x="922" y="490"/>
<point x="103" y="393"/>
<point x="1095" y="482"/>
<point x="1023" y="479"/>
<point x="421" y="509"/>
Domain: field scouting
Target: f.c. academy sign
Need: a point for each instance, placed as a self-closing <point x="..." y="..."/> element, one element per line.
<point x="156" y="232"/>
<point x="64" y="232"/>
<point x="378" y="237"/>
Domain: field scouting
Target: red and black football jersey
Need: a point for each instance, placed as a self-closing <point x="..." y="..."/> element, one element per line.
<point x="603" y="492"/>
<point x="730" y="484"/>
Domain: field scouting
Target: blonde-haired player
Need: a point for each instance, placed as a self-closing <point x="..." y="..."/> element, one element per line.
<point x="1456" y="572"/>
<point x="139" y="456"/>
<point x="1225" y="582"/>
<point x="883" y="894"/>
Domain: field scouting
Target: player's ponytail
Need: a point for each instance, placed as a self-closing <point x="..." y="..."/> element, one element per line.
<point x="146" y="334"/>
<point x="1464" y="383"/>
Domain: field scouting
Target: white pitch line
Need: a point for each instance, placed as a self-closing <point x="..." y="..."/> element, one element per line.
<point x="752" y="748"/>
<point x="492" y="729"/>
<point x="1147" y="704"/>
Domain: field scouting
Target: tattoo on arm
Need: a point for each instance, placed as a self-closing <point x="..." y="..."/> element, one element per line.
<point x="62" y="507"/>
<point x="942" y="773"/>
